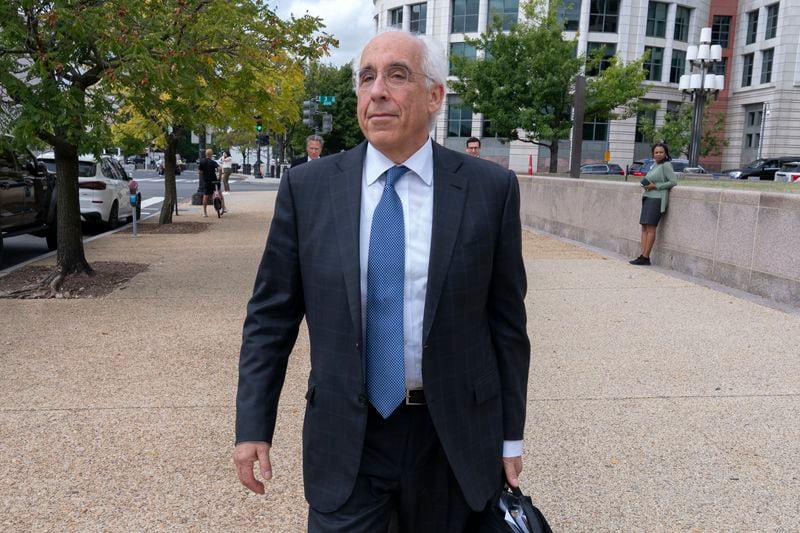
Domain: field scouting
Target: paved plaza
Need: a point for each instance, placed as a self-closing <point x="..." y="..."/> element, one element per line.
<point x="655" y="403"/>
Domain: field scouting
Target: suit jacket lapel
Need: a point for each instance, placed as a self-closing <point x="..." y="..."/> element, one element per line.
<point x="449" y="195"/>
<point x="345" y="194"/>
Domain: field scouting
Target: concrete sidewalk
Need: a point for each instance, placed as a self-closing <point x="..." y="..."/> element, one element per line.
<point x="655" y="404"/>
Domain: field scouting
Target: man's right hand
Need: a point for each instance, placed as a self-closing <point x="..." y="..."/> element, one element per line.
<point x="247" y="453"/>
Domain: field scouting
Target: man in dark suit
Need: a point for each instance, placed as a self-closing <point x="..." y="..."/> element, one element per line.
<point x="313" y="150"/>
<point x="405" y="260"/>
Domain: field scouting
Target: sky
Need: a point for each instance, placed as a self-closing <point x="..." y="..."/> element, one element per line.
<point x="349" y="21"/>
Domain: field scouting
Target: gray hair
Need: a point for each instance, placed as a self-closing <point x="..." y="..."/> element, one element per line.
<point x="434" y="64"/>
<point x="315" y="137"/>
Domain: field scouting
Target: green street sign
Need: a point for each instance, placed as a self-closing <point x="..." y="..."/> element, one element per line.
<point x="327" y="100"/>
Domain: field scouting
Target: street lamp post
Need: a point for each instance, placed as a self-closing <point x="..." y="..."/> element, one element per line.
<point x="699" y="83"/>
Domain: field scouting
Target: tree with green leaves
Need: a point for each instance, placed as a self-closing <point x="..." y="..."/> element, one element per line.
<point x="54" y="57"/>
<point x="676" y="131"/>
<point x="329" y="80"/>
<point x="217" y="63"/>
<point x="66" y="67"/>
<point x="525" y="82"/>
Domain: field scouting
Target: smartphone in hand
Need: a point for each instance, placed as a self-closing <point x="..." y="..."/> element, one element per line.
<point x="645" y="182"/>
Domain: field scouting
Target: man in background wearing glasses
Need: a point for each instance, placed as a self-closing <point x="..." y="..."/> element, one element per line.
<point x="405" y="260"/>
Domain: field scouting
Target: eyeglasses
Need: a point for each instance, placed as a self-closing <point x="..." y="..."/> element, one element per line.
<point x="396" y="76"/>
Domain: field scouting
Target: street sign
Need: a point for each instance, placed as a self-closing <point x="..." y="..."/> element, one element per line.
<point x="327" y="100"/>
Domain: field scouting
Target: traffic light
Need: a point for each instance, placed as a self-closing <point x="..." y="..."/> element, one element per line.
<point x="327" y="123"/>
<point x="259" y="125"/>
<point x="309" y="107"/>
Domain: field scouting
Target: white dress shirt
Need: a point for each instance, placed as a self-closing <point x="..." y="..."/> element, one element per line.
<point x="415" y="189"/>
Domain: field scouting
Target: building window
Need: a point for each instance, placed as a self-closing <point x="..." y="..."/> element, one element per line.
<point x="419" y="18"/>
<point x="650" y="116"/>
<point x="719" y="67"/>
<point x="596" y="129"/>
<point x="608" y="51"/>
<point x="754" y="117"/>
<point x="488" y="128"/>
<point x="569" y="12"/>
<point x="682" y="17"/>
<point x="507" y="10"/>
<point x="603" y="15"/>
<point x="752" y="26"/>
<point x="772" y="22"/>
<point x="747" y="70"/>
<point x="656" y="19"/>
<point x="459" y="117"/>
<point x="766" y="65"/>
<point x="678" y="66"/>
<point x="461" y="50"/>
<point x="396" y="18"/>
<point x="721" y="30"/>
<point x="654" y="62"/>
<point x="465" y="16"/>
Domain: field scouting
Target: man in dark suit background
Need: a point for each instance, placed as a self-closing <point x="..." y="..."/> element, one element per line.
<point x="405" y="260"/>
<point x="313" y="150"/>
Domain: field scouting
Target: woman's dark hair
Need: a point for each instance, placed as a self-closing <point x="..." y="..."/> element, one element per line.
<point x="227" y="153"/>
<point x="666" y="150"/>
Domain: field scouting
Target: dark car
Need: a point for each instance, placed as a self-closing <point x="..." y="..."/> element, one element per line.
<point x="643" y="166"/>
<point x="762" y="169"/>
<point x="27" y="196"/>
<point x="602" y="168"/>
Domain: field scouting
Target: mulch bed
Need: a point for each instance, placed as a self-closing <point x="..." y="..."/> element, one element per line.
<point x="164" y="229"/>
<point x="108" y="276"/>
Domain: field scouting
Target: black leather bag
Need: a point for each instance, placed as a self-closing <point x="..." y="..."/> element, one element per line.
<point x="513" y="512"/>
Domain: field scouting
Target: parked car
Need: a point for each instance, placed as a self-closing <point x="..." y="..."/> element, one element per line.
<point x="103" y="189"/>
<point x="27" y="196"/>
<point x="643" y="166"/>
<point x="790" y="172"/>
<point x="761" y="169"/>
<point x="602" y="168"/>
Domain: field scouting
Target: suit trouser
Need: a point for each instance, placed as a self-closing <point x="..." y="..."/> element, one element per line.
<point x="404" y="482"/>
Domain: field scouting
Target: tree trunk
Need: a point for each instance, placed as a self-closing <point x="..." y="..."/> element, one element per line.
<point x="170" y="189"/>
<point x="71" y="257"/>
<point x="553" y="156"/>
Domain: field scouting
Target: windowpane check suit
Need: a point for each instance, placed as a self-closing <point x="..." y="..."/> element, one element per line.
<point x="476" y="351"/>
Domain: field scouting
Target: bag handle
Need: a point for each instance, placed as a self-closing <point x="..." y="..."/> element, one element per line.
<point x="537" y="523"/>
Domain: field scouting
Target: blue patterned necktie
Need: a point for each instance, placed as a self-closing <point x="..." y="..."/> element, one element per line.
<point x="386" y="266"/>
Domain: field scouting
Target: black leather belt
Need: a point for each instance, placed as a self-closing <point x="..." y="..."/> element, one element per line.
<point x="415" y="397"/>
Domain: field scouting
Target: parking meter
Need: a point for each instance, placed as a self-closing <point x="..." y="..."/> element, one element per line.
<point x="133" y="188"/>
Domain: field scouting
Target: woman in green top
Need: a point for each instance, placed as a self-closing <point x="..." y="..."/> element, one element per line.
<point x="656" y="185"/>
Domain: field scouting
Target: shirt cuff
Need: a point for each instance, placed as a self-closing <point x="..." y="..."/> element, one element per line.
<point x="512" y="448"/>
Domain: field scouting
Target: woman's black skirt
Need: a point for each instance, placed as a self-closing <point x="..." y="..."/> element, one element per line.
<point x="651" y="211"/>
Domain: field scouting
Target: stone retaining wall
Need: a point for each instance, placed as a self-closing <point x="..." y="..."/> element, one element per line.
<point x="743" y="239"/>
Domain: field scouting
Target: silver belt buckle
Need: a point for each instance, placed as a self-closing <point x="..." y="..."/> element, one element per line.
<point x="409" y="401"/>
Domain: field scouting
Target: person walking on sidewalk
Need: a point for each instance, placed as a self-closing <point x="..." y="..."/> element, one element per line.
<point x="313" y="150"/>
<point x="655" y="197"/>
<point x="226" y="163"/>
<point x="405" y="259"/>
<point x="208" y="177"/>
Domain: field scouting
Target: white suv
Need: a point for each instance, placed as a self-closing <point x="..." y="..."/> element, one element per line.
<point x="790" y="172"/>
<point x="103" y="189"/>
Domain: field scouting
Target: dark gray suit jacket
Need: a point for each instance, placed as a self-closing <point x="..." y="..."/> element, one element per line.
<point x="475" y="346"/>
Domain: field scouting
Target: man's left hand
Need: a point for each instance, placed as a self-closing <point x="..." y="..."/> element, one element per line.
<point x="512" y="466"/>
